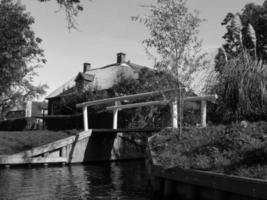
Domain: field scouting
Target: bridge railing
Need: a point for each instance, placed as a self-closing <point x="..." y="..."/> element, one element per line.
<point x="117" y="106"/>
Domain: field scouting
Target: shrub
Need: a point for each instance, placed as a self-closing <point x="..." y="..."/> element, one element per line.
<point x="68" y="122"/>
<point x="242" y="90"/>
<point x="230" y="149"/>
<point x="19" y="124"/>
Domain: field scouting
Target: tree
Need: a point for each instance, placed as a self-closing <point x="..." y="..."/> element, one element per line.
<point x="241" y="63"/>
<point x="71" y="8"/>
<point x="173" y="35"/>
<point x="256" y="16"/>
<point x="245" y="31"/>
<point x="19" y="49"/>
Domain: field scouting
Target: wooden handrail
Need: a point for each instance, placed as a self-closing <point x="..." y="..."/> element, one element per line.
<point x="134" y="105"/>
<point x="211" y="98"/>
<point x="163" y="102"/>
<point x="121" y="98"/>
<point x="117" y="107"/>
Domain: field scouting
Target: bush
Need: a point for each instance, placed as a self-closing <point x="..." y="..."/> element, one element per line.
<point x="242" y="90"/>
<point x="19" y="124"/>
<point x="230" y="149"/>
<point x="68" y="122"/>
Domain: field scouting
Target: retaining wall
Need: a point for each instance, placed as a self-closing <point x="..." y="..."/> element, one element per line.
<point x="201" y="185"/>
<point x="84" y="147"/>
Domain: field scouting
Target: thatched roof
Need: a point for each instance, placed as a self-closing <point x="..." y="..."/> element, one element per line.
<point x="104" y="77"/>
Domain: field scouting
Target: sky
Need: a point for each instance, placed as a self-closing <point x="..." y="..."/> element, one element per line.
<point x="105" y="28"/>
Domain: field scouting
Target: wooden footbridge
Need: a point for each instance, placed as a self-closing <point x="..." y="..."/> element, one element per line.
<point x="93" y="145"/>
<point x="118" y="106"/>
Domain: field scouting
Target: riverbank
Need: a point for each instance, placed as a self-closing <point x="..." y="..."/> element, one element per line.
<point x="233" y="150"/>
<point x="12" y="142"/>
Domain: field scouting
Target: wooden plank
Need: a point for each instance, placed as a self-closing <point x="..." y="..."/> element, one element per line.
<point x="163" y="102"/>
<point x="49" y="160"/>
<point x="203" y="113"/>
<point x="121" y="98"/>
<point x="50" y="146"/>
<point x="37" y="160"/>
<point x="55" y="116"/>
<point x="211" y="98"/>
<point x="134" y="105"/>
<point x="125" y="130"/>
<point x="255" y="188"/>
<point x="174" y="114"/>
<point x="85" y="119"/>
<point x="115" y="115"/>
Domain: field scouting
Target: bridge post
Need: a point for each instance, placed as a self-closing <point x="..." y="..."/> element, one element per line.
<point x="85" y="118"/>
<point x="115" y="115"/>
<point x="174" y="114"/>
<point x="203" y="113"/>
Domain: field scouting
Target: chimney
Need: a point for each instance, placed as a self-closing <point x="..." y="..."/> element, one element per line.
<point x="121" y="57"/>
<point x="86" y="67"/>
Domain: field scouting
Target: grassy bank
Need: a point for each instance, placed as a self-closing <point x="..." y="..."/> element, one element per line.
<point x="15" y="141"/>
<point x="230" y="149"/>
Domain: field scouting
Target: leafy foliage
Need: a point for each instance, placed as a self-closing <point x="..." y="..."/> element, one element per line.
<point x="71" y="122"/>
<point x="19" y="48"/>
<point x="173" y="35"/>
<point x="242" y="90"/>
<point x="230" y="149"/>
<point x="19" y="124"/>
<point x="245" y="31"/>
<point x="71" y="8"/>
<point x="241" y="66"/>
<point x="144" y="117"/>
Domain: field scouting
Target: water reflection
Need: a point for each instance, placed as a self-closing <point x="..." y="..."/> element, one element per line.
<point x="118" y="181"/>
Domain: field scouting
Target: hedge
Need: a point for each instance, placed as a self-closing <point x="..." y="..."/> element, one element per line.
<point x="232" y="149"/>
<point x="18" y="124"/>
<point x="68" y="122"/>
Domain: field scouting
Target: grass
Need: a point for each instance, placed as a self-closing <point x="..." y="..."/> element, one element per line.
<point x="15" y="141"/>
<point x="231" y="149"/>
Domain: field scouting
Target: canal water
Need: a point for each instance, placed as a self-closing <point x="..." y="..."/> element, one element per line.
<point x="118" y="181"/>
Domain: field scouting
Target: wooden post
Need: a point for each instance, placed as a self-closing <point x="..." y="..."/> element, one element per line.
<point x="115" y="115"/>
<point x="169" y="189"/>
<point x="28" y="110"/>
<point x="63" y="152"/>
<point x="203" y="113"/>
<point x="174" y="114"/>
<point x="85" y="118"/>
